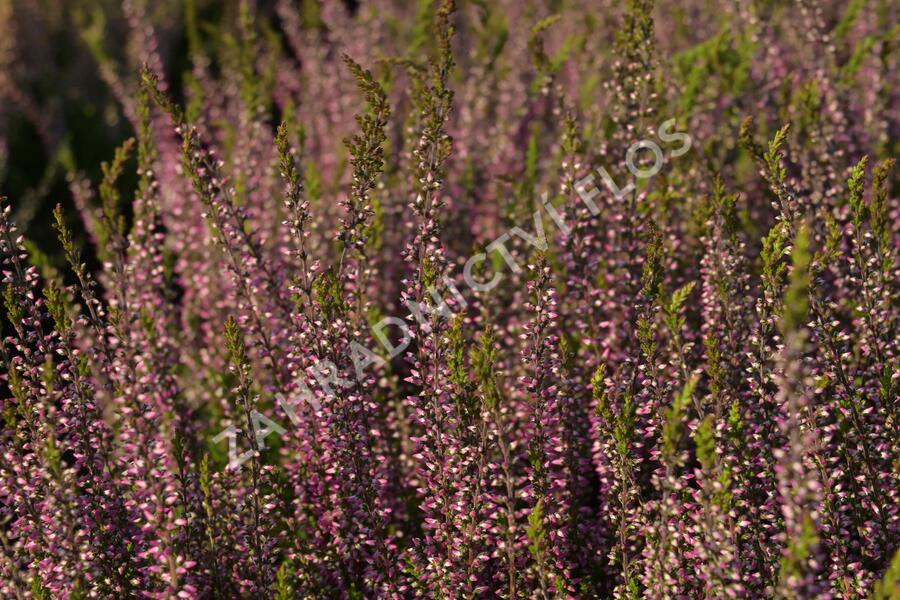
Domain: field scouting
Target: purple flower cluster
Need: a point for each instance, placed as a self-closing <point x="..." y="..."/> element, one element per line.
<point x="409" y="305"/>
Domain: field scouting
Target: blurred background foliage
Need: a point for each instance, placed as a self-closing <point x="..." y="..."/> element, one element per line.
<point x="65" y="66"/>
<point x="60" y="64"/>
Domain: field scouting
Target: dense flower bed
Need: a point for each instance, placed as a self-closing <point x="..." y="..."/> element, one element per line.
<point x="498" y="300"/>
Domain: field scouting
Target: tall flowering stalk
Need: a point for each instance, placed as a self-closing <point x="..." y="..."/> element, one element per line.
<point x="432" y="404"/>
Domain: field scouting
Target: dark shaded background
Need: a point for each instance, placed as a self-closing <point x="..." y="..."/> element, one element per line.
<point x="58" y="117"/>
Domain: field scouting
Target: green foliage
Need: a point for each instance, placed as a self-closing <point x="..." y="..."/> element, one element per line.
<point x="367" y="159"/>
<point x="430" y="273"/>
<point x="889" y="586"/>
<point x="196" y="98"/>
<point x="848" y="20"/>
<point x="234" y="344"/>
<point x="572" y="142"/>
<point x="774" y="156"/>
<point x="536" y="532"/>
<point x="283" y="588"/>
<point x="831" y="250"/>
<point x="673" y="427"/>
<point x="857" y="183"/>
<point x="467" y="403"/>
<point x="745" y="135"/>
<point x="248" y="52"/>
<point x="724" y="58"/>
<point x="726" y="207"/>
<point x="634" y="39"/>
<point x="15" y="411"/>
<point x="15" y="312"/>
<point x="146" y="149"/>
<point x="796" y="299"/>
<point x="705" y="440"/>
<point x="111" y="233"/>
<point x="493" y="32"/>
<point x="880" y="209"/>
<point x="150" y="83"/>
<point x="311" y="12"/>
<point x="774" y="248"/>
<point x="191" y="28"/>
<point x="536" y="43"/>
<point x="483" y="358"/>
<point x="58" y="307"/>
<point x="445" y="62"/>
<point x="800" y="551"/>
<point x="623" y="431"/>
<point x="456" y="359"/>
<point x="366" y="147"/>
<point x="600" y="395"/>
<point x="64" y="233"/>
<point x="286" y="158"/>
<point x="808" y="100"/>
<point x="313" y="180"/>
<point x="423" y="29"/>
<point x="673" y="308"/>
<point x="863" y="51"/>
<point x="735" y="420"/>
<point x="374" y="231"/>
<point x="38" y="591"/>
<point x="773" y="167"/>
<point x="652" y="277"/>
<point x="416" y="574"/>
<point x="329" y="293"/>
<point x="646" y="335"/>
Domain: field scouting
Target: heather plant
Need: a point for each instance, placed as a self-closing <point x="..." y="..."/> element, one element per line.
<point x="449" y="299"/>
